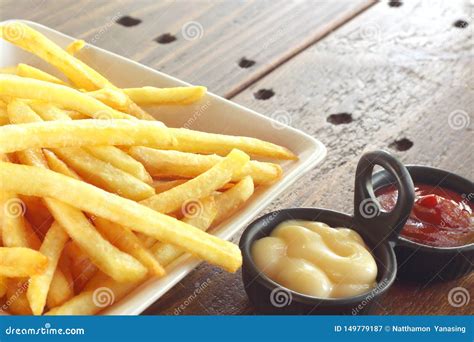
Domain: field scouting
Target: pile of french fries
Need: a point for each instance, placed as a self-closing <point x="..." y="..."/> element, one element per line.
<point x="96" y="193"/>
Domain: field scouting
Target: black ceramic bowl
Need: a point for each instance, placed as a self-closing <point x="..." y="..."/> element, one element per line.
<point x="426" y="263"/>
<point x="378" y="231"/>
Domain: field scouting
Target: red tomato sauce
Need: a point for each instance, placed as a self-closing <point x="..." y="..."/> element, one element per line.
<point x="440" y="217"/>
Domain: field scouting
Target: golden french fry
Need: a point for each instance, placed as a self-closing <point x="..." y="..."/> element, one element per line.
<point x="33" y="181"/>
<point x="104" y="175"/>
<point x="61" y="288"/>
<point x="163" y="163"/>
<point x="39" y="285"/>
<point x="208" y="143"/>
<point x="57" y="165"/>
<point x="16" y="262"/>
<point x="29" y="88"/>
<point x="121" y="160"/>
<point x="199" y="187"/>
<point x="114" y="98"/>
<point x="156" y="96"/>
<point x="124" y="239"/>
<point x="228" y="202"/>
<point x="25" y="70"/>
<point x="82" y="132"/>
<point x="201" y="218"/>
<point x="75" y="47"/>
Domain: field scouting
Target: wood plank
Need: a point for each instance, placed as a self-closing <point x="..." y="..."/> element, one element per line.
<point x="400" y="72"/>
<point x="267" y="32"/>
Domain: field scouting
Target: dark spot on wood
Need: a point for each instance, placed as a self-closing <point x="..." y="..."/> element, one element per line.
<point x="246" y="63"/>
<point x="395" y="3"/>
<point x="461" y="23"/>
<point x="264" y="94"/>
<point x="340" y="118"/>
<point x="165" y="38"/>
<point x="401" y="145"/>
<point x="128" y="21"/>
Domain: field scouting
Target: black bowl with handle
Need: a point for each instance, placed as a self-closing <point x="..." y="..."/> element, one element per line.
<point x="379" y="230"/>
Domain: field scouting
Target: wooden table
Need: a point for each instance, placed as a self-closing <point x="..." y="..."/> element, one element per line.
<point x="357" y="75"/>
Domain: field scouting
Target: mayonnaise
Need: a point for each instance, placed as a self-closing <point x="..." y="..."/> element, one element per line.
<point x="314" y="259"/>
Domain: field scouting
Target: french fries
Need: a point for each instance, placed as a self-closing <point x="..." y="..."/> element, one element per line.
<point x="38" y="287"/>
<point x="96" y="171"/>
<point x="109" y="196"/>
<point x="152" y="96"/>
<point x="202" y="186"/>
<point x="108" y="154"/>
<point x="75" y="70"/>
<point x="82" y="132"/>
<point x="26" y="70"/>
<point x="209" y="143"/>
<point x="28" y="88"/>
<point x="75" y="47"/>
<point x="121" y="160"/>
<point x="119" y="210"/>
<point x="162" y="163"/>
<point x="229" y="201"/>
<point x="167" y="253"/>
<point x="103" y="174"/>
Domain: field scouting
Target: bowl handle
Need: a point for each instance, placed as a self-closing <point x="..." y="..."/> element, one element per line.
<point x="378" y="224"/>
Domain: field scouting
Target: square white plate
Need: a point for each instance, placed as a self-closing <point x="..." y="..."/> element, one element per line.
<point x="212" y="114"/>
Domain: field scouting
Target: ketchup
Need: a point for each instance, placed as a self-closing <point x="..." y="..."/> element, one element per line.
<point x="440" y="217"/>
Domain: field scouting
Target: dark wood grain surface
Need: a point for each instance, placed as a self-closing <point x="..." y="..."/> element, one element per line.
<point x="355" y="76"/>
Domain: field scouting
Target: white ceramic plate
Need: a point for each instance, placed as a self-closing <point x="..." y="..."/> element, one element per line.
<point x="212" y="114"/>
